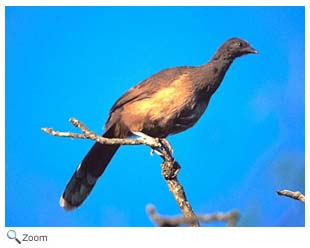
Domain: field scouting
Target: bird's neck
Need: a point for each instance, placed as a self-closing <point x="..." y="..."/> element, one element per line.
<point x="221" y="65"/>
<point x="221" y="61"/>
<point x="215" y="70"/>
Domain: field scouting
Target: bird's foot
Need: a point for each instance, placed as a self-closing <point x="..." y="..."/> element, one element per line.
<point x="157" y="151"/>
<point x="157" y="144"/>
<point x="153" y="142"/>
<point x="164" y="145"/>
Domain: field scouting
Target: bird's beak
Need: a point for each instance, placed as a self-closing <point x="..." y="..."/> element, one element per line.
<point x="251" y="50"/>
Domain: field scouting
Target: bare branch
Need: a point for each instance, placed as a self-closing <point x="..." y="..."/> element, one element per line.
<point x="63" y="134"/>
<point x="295" y="195"/>
<point x="170" y="169"/>
<point x="231" y="218"/>
<point x="87" y="134"/>
<point x="170" y="166"/>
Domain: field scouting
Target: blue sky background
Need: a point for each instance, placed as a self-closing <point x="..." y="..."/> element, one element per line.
<point x="64" y="62"/>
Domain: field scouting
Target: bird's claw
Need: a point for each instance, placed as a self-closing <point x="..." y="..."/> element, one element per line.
<point x="157" y="151"/>
<point x="157" y="144"/>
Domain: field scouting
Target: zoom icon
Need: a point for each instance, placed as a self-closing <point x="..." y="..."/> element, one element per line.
<point x="11" y="234"/>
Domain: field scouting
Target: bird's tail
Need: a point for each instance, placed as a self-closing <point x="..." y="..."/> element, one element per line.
<point x="90" y="169"/>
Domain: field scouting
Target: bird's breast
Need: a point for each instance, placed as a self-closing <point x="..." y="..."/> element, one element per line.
<point x="170" y="109"/>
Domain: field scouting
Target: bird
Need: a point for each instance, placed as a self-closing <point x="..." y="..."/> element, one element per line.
<point x="166" y="103"/>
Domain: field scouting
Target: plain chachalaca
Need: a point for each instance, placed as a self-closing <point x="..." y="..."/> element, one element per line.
<point x="166" y="103"/>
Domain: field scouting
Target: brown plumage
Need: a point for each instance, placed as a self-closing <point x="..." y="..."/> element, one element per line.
<point x="166" y="103"/>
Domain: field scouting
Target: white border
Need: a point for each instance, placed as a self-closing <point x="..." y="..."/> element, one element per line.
<point x="142" y="237"/>
<point x="2" y="116"/>
<point x="307" y="109"/>
<point x="155" y="3"/>
<point x="164" y="237"/>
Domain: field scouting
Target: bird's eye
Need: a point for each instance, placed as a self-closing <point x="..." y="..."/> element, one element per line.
<point x="240" y="44"/>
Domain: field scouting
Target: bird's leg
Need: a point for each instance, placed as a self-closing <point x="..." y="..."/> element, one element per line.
<point x="154" y="142"/>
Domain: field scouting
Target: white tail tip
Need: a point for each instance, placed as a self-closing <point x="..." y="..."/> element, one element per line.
<point x="65" y="205"/>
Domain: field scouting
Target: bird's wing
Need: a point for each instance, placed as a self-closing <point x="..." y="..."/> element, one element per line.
<point x="149" y="86"/>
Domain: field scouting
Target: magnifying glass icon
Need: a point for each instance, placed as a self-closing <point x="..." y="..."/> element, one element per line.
<point x="12" y="235"/>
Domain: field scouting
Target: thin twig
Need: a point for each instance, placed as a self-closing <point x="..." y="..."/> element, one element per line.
<point x="93" y="136"/>
<point x="170" y="166"/>
<point x="231" y="218"/>
<point x="294" y="195"/>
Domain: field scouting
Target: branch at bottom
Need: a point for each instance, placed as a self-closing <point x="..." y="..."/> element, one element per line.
<point x="231" y="218"/>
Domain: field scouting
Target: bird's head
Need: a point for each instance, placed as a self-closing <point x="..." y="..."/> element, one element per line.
<point x="236" y="47"/>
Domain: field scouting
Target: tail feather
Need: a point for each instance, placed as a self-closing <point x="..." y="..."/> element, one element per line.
<point x="90" y="169"/>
